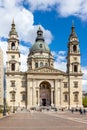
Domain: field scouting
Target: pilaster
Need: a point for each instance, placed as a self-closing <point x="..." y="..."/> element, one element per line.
<point x="34" y="93"/>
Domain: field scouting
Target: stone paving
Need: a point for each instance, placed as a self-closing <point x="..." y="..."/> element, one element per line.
<point x="44" y="121"/>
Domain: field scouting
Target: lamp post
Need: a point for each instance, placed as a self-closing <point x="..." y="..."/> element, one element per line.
<point x="14" y="99"/>
<point x="4" y="110"/>
<point x="77" y="104"/>
<point x="13" y="105"/>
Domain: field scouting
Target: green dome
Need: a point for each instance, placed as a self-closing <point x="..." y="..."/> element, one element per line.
<point x="39" y="45"/>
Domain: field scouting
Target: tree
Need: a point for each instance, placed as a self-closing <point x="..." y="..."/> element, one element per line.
<point x="85" y="101"/>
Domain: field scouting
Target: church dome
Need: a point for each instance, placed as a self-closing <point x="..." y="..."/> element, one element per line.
<point x="39" y="45"/>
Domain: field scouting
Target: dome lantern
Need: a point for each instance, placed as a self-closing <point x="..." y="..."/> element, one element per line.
<point x="39" y="35"/>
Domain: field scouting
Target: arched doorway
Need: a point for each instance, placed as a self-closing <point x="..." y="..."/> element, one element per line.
<point x="45" y="94"/>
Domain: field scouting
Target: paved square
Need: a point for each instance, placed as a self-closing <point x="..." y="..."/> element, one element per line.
<point x="44" y="121"/>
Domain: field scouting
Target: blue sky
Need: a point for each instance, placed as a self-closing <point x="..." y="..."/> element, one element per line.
<point x="55" y="18"/>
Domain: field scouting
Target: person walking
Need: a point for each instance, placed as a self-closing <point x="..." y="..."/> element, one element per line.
<point x="72" y="110"/>
<point x="84" y="111"/>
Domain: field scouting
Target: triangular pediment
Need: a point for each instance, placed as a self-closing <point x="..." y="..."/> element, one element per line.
<point x="47" y="70"/>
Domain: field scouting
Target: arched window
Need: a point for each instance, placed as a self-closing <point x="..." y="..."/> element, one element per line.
<point x="66" y="97"/>
<point x="76" y="94"/>
<point x="41" y="64"/>
<point x="23" y="97"/>
<point x="75" y="97"/>
<point x="40" y="45"/>
<point x="75" y="68"/>
<point x="12" y="66"/>
<point x="74" y="48"/>
<point x="36" y="65"/>
<point x="13" y="96"/>
<point x="13" y="46"/>
<point x="46" y="64"/>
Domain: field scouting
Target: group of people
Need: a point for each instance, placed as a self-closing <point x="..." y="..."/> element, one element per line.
<point x="81" y="111"/>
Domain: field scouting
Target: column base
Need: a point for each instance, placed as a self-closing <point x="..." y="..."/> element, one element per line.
<point x="52" y="105"/>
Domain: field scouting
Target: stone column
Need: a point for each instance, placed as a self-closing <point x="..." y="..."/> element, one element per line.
<point x="38" y="97"/>
<point x="56" y="94"/>
<point x="58" y="90"/>
<point x="60" y="86"/>
<point x="29" y="94"/>
<point x="52" y="97"/>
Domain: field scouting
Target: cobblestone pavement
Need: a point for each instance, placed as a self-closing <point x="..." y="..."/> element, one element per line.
<point x="44" y="121"/>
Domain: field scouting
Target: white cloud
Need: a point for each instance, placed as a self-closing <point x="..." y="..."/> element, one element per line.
<point x="60" y="60"/>
<point x="23" y="57"/>
<point x="64" y="8"/>
<point x="42" y="4"/>
<point x="84" y="82"/>
<point x="68" y="7"/>
<point x="23" y="60"/>
<point x="24" y="21"/>
<point x="3" y="46"/>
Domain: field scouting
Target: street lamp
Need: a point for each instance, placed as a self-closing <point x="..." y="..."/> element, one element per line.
<point x="14" y="99"/>
<point x="13" y="103"/>
<point x="77" y="104"/>
<point x="4" y="110"/>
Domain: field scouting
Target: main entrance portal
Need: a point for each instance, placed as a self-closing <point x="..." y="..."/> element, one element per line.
<point x="45" y="94"/>
<point x="43" y="102"/>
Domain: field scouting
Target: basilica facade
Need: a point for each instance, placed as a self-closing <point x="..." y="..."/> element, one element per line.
<point x="42" y="84"/>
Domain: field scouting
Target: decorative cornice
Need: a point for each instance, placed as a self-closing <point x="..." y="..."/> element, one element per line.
<point x="47" y="70"/>
<point x="75" y="74"/>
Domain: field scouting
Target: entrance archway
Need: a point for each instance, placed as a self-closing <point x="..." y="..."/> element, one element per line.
<point x="45" y="94"/>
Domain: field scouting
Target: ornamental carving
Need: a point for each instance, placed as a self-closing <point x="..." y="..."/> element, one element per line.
<point x="46" y="70"/>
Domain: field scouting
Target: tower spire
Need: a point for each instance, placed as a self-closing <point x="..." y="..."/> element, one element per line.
<point x="13" y="21"/>
<point x="13" y="30"/>
<point x="73" y="27"/>
<point x="73" y="35"/>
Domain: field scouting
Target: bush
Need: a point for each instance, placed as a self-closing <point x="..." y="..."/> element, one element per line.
<point x="85" y="101"/>
<point x="1" y="110"/>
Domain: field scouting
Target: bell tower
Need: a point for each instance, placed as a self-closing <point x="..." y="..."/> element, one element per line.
<point x="73" y="57"/>
<point x="13" y="54"/>
<point x="74" y="70"/>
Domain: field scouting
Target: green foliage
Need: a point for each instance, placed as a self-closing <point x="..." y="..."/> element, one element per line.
<point x="85" y="101"/>
<point x="8" y="109"/>
<point x="1" y="109"/>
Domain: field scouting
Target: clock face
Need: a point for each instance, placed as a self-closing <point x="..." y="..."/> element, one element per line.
<point x="39" y="33"/>
<point x="73" y="39"/>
